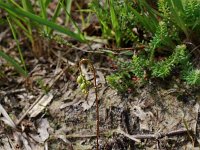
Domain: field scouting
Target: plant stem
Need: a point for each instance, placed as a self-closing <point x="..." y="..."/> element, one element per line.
<point x="96" y="97"/>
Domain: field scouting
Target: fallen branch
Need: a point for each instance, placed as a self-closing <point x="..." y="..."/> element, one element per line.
<point x="155" y="136"/>
<point x="136" y="137"/>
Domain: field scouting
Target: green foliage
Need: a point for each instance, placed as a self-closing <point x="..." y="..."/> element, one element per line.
<point x="192" y="14"/>
<point x="114" y="80"/>
<point x="168" y="24"/>
<point x="103" y="15"/>
<point x="163" y="68"/>
<point x="192" y="77"/>
<point x="183" y="14"/>
<point x="24" y="20"/>
<point x="18" y="47"/>
<point x="129" y="74"/>
<point x="159" y="38"/>
<point x="14" y="63"/>
<point x="115" y="23"/>
<point x="120" y="81"/>
<point x="116" y="20"/>
<point x="144" y="15"/>
<point x="139" y="63"/>
<point x="20" y="12"/>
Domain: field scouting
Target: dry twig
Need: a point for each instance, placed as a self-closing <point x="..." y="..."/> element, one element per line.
<point x="155" y="136"/>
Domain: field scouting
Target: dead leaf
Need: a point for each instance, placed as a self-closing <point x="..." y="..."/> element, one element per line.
<point x="101" y="79"/>
<point x="87" y="104"/>
<point x="43" y="129"/>
<point x="41" y="105"/>
<point x="25" y="143"/>
<point x="72" y="100"/>
<point x="6" y="144"/>
<point x="6" y="118"/>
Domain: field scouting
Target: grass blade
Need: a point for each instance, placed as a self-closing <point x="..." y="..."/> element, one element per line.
<point x="13" y="63"/>
<point x="74" y="23"/>
<point x="68" y="9"/>
<point x="55" y="15"/>
<point x="17" y="42"/>
<point x="27" y="5"/>
<point x="57" y="11"/>
<point x="176" y="8"/>
<point x="115" y="23"/>
<point x="42" y="21"/>
<point x="44" y="13"/>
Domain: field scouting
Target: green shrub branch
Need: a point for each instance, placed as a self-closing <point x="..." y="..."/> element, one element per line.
<point x="167" y="25"/>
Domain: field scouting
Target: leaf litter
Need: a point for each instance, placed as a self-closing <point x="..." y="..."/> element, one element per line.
<point x="70" y="117"/>
<point x="66" y="116"/>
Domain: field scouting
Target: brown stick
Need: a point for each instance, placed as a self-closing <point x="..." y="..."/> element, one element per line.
<point x="155" y="136"/>
<point x="96" y="97"/>
<point x="138" y="137"/>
